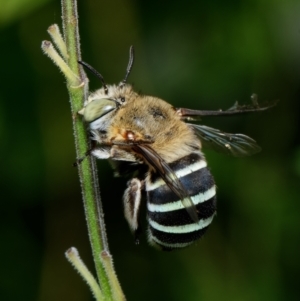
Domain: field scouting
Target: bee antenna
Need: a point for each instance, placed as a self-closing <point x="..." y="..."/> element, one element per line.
<point x="90" y="68"/>
<point x="129" y="66"/>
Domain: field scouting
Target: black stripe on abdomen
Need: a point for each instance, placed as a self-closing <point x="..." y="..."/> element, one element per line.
<point x="170" y="225"/>
<point x="170" y="241"/>
<point x="181" y="217"/>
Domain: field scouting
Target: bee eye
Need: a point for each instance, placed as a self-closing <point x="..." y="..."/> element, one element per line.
<point x="98" y="108"/>
<point x="122" y="99"/>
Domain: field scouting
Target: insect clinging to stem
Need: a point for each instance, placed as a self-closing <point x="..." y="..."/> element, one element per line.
<point x="148" y="138"/>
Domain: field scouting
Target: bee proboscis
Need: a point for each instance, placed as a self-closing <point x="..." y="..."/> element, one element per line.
<point x="150" y="139"/>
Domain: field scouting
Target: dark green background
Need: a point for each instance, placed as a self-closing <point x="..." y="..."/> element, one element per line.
<point x="198" y="54"/>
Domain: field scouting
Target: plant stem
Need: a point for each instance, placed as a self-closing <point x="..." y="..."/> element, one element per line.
<point x="117" y="292"/>
<point x="54" y="32"/>
<point x="73" y="257"/>
<point x="87" y="169"/>
<point x="109" y="288"/>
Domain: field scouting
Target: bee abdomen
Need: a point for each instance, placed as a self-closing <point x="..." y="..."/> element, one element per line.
<point x="170" y="225"/>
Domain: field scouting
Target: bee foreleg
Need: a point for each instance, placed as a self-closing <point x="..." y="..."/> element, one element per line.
<point x="132" y="202"/>
<point x="79" y="160"/>
<point x="101" y="152"/>
<point x="87" y="153"/>
<point x="119" y="154"/>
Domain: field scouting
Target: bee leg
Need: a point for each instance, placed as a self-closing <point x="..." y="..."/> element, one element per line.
<point x="101" y="152"/>
<point x="79" y="160"/>
<point x="87" y="153"/>
<point x="132" y="202"/>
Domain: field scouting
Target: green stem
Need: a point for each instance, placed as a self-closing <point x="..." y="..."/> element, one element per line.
<point x="87" y="169"/>
<point x="54" y="32"/>
<point x="73" y="256"/>
<point x="77" y="84"/>
<point x="107" y="262"/>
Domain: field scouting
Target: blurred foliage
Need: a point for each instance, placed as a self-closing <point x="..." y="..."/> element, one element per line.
<point x="13" y="10"/>
<point x="198" y="54"/>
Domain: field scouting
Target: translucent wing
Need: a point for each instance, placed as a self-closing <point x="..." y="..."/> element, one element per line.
<point x="238" y="145"/>
<point x="169" y="176"/>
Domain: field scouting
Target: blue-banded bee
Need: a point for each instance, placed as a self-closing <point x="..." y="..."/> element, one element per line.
<point x="148" y="138"/>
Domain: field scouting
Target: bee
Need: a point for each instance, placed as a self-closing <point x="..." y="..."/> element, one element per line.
<point x="151" y="140"/>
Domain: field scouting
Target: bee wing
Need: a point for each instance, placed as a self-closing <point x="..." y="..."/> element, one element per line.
<point x="238" y="145"/>
<point x="189" y="114"/>
<point x="169" y="176"/>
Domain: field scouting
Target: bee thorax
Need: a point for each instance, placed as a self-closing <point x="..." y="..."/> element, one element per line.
<point x="120" y="134"/>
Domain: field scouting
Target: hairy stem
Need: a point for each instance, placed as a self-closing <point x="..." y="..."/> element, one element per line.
<point x="74" y="258"/>
<point x="87" y="169"/>
<point x="68" y="46"/>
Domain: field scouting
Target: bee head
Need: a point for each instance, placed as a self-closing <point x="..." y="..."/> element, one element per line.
<point x="99" y="107"/>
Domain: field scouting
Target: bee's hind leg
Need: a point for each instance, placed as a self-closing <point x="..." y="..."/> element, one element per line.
<point x="132" y="202"/>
